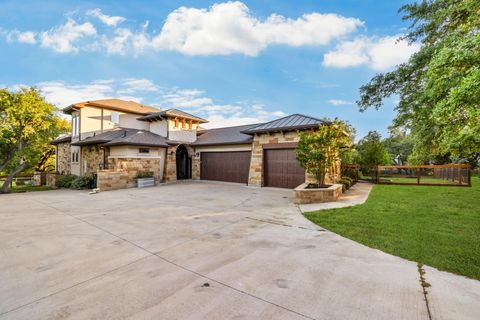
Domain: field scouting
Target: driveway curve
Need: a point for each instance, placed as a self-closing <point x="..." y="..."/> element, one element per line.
<point x="202" y="250"/>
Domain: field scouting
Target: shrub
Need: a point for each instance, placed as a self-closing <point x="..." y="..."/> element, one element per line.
<point x="65" y="181"/>
<point x="82" y="182"/>
<point x="72" y="181"/>
<point x="352" y="174"/>
<point x="346" y="183"/>
<point x="144" y="174"/>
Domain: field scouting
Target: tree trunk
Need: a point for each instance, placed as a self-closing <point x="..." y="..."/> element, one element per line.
<point x="11" y="176"/>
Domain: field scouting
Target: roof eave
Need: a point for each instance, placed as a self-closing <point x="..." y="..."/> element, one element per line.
<point x="221" y="143"/>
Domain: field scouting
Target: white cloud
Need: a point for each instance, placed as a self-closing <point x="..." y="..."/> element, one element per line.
<point x="377" y="53"/>
<point x="339" y="102"/>
<point x="28" y="37"/>
<point x="111" y="21"/>
<point x="62" y="38"/>
<point x="228" y="28"/>
<point x="224" y="28"/>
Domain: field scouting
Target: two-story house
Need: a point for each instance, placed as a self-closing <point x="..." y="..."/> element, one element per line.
<point x="117" y="139"/>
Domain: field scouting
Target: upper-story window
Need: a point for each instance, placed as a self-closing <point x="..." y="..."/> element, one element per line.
<point x="75" y="125"/>
<point x="143" y="150"/>
<point x="115" y="117"/>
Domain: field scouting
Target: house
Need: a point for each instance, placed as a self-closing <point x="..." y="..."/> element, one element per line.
<point x="117" y="139"/>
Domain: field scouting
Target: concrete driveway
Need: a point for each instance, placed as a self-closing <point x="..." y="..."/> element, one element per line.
<point x="198" y="250"/>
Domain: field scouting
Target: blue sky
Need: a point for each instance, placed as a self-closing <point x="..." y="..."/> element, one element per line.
<point x="231" y="62"/>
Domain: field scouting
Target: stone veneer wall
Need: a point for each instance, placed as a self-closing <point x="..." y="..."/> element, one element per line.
<point x="111" y="180"/>
<point x="94" y="158"/>
<point x="255" y="177"/>
<point x="64" y="158"/>
<point x="132" y="166"/>
<point x="170" y="171"/>
<point x="196" y="164"/>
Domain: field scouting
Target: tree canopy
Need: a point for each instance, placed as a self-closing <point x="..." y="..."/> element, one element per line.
<point x="320" y="150"/>
<point x="439" y="99"/>
<point x="372" y="151"/>
<point x="27" y="124"/>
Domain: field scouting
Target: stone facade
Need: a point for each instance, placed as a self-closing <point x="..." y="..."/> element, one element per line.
<point x="94" y="159"/>
<point x="132" y="166"/>
<point x="112" y="180"/>
<point x="303" y="195"/>
<point x="170" y="171"/>
<point x="51" y="180"/>
<point x="64" y="158"/>
<point x="196" y="167"/>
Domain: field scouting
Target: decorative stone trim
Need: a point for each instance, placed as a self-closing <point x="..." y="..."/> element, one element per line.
<point x="302" y="195"/>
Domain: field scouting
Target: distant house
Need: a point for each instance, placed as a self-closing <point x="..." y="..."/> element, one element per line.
<point x="117" y="139"/>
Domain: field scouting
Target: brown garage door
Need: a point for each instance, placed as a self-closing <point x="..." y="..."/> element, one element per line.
<point x="225" y="166"/>
<point x="282" y="169"/>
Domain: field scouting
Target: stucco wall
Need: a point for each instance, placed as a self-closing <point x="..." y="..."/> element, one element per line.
<point x="181" y="134"/>
<point x="63" y="160"/>
<point x="159" y="127"/>
<point x="128" y="120"/>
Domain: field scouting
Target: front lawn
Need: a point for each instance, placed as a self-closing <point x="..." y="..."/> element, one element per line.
<point x="436" y="226"/>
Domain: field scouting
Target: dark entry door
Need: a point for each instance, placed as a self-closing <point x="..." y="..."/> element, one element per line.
<point x="225" y="166"/>
<point x="182" y="161"/>
<point x="281" y="169"/>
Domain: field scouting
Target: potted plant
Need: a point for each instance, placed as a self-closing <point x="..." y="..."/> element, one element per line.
<point x="145" y="179"/>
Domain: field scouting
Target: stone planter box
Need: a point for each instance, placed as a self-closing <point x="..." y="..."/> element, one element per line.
<point x="304" y="195"/>
<point x="145" y="182"/>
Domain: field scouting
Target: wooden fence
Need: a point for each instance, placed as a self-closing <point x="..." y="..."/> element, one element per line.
<point x="428" y="175"/>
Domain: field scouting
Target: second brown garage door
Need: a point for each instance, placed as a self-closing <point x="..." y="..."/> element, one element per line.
<point x="225" y="166"/>
<point x="282" y="169"/>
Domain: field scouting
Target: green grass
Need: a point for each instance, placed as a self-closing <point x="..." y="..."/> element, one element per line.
<point x="436" y="226"/>
<point x="27" y="188"/>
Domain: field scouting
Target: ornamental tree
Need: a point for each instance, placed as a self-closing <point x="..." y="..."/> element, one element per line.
<point x="318" y="151"/>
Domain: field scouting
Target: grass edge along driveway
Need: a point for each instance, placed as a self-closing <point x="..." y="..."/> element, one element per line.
<point x="436" y="226"/>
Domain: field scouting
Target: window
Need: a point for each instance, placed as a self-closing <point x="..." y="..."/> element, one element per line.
<point x="75" y="156"/>
<point x="115" y="117"/>
<point x="143" y="150"/>
<point x="75" y="125"/>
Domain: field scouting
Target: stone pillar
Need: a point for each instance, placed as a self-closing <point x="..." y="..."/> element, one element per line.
<point x="170" y="174"/>
<point x="255" y="175"/>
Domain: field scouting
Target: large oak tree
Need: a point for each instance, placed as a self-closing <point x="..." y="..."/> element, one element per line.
<point x="27" y="124"/>
<point x="438" y="88"/>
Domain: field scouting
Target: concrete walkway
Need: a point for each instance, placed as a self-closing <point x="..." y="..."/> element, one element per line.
<point x="357" y="194"/>
<point x="202" y="251"/>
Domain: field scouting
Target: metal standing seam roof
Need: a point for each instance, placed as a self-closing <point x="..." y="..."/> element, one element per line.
<point x="291" y="122"/>
<point x="125" y="136"/>
<point x="224" y="136"/>
<point x="170" y="113"/>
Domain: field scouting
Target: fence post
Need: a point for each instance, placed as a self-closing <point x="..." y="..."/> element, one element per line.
<point x="418" y="176"/>
<point x="377" y="174"/>
<point x="469" y="176"/>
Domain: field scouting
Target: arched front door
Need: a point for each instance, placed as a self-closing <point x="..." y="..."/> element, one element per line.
<point x="183" y="163"/>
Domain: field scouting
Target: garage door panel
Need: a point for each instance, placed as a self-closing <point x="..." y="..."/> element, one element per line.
<point x="281" y="169"/>
<point x="225" y="166"/>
